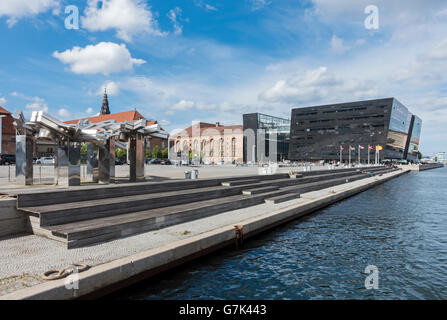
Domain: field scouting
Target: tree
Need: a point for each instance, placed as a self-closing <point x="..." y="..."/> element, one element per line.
<point x="84" y="153"/>
<point x="84" y="149"/>
<point x="121" y="153"/>
<point x="156" y="152"/>
<point x="165" y="153"/>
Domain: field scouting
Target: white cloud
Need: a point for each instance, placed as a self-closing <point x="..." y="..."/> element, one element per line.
<point x="89" y="111"/>
<point x="426" y="68"/>
<point x="259" y="4"/>
<point x="164" y="122"/>
<point x="40" y="105"/>
<point x="360" y="42"/>
<point x="183" y="105"/>
<point x="16" y="9"/>
<point x="35" y="103"/>
<point x="173" y="15"/>
<point x="439" y="51"/>
<point x="392" y="13"/>
<point x="210" y="7"/>
<point x="317" y="85"/>
<point x="205" y="6"/>
<point x="205" y="106"/>
<point x="64" y="114"/>
<point x="105" y="58"/>
<point x="127" y="17"/>
<point x="309" y="86"/>
<point x="337" y="45"/>
<point x="111" y="86"/>
<point x="2" y="101"/>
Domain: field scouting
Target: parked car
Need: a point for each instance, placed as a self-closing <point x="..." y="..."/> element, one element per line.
<point x="119" y="162"/>
<point x="45" y="160"/>
<point x="148" y="160"/>
<point x="155" y="161"/>
<point x="7" y="158"/>
<point x="166" y="162"/>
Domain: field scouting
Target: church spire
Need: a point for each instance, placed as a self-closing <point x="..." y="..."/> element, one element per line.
<point x="105" y="104"/>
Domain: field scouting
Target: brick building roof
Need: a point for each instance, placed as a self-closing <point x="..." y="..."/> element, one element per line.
<point x="7" y="122"/>
<point x="4" y="111"/>
<point x="204" y="126"/>
<point x="119" y="117"/>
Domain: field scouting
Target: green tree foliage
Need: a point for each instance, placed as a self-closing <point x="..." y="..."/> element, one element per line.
<point x="84" y="153"/>
<point x="156" y="152"/>
<point x="165" y="153"/>
<point x="120" y="153"/>
<point x="84" y="149"/>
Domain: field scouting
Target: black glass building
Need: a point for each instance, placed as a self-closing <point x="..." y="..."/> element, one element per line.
<point x="317" y="133"/>
<point x="271" y="126"/>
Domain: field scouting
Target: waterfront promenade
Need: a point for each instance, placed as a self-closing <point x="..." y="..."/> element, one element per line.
<point x="124" y="260"/>
<point x="44" y="174"/>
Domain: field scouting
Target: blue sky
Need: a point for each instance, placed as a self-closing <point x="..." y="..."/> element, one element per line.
<point x="208" y="60"/>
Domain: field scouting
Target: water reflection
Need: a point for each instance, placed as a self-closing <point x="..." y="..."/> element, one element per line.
<point x="400" y="227"/>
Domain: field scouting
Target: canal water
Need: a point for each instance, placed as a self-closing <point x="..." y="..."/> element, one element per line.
<point x="400" y="227"/>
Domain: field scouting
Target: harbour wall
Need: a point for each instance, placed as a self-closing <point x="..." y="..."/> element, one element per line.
<point x="117" y="274"/>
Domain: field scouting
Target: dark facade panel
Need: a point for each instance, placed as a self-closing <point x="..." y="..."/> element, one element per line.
<point x="270" y="125"/>
<point x="398" y="132"/>
<point x="318" y="132"/>
<point x="413" y="148"/>
<point x="250" y="121"/>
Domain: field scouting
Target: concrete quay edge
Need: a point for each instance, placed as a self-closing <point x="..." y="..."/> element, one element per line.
<point x="117" y="274"/>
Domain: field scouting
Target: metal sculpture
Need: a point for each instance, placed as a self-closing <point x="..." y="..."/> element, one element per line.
<point x="101" y="138"/>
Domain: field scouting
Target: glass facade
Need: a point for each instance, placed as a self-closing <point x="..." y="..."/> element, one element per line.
<point x="398" y="130"/>
<point x="413" y="148"/>
<point x="272" y="126"/>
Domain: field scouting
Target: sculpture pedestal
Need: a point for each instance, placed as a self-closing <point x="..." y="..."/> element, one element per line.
<point x="24" y="159"/>
<point x="68" y="164"/>
<point x="106" y="162"/>
<point x="137" y="150"/>
<point x="92" y="163"/>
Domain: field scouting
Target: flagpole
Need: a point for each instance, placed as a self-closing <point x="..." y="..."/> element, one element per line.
<point x="376" y="155"/>
<point x="368" y="153"/>
<point x="349" y="156"/>
<point x="341" y="156"/>
<point x="359" y="154"/>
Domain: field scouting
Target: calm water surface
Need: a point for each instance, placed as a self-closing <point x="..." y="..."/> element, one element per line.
<point x="400" y="227"/>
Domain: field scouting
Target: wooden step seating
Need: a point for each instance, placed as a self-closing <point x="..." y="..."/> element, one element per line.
<point x="81" y="223"/>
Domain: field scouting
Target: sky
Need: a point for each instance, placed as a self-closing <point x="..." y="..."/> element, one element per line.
<point x="207" y="60"/>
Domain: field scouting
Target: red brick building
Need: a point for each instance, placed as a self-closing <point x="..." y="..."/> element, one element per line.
<point x="211" y="142"/>
<point x="8" y="132"/>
